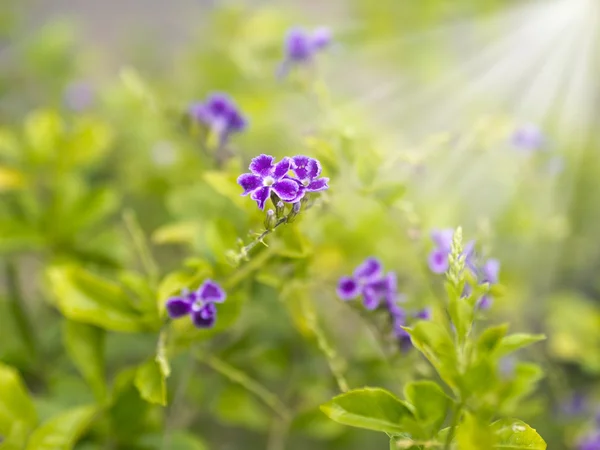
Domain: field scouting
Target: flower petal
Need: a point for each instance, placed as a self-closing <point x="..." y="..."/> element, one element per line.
<point x="219" y="104"/>
<point x="287" y="190"/>
<point x="205" y="317"/>
<point x="249" y="182"/>
<point x="261" y="195"/>
<point x="371" y="299"/>
<point x="321" y="38"/>
<point x="282" y="168"/>
<point x="485" y="302"/>
<point x="438" y="261"/>
<point x="424" y="314"/>
<point x="236" y="122"/>
<point x="199" y="112"/>
<point x="369" y="271"/>
<point x="299" y="166"/>
<point x="298" y="45"/>
<point x="262" y="165"/>
<point x="313" y="168"/>
<point x="490" y="271"/>
<point x="178" y="307"/>
<point x="443" y="238"/>
<point x="210" y="291"/>
<point x="318" y="185"/>
<point x="348" y="288"/>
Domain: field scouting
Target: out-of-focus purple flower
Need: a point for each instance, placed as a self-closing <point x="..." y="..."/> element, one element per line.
<point x="488" y="273"/>
<point x="507" y="366"/>
<point x="301" y="46"/>
<point x="424" y="314"/>
<point x="220" y="114"/>
<point x="590" y="442"/>
<point x="438" y="257"/>
<point x="266" y="176"/>
<point x="79" y="96"/>
<point x="307" y="171"/>
<point x="576" y="405"/>
<point x="200" y="304"/>
<point x="528" y="137"/>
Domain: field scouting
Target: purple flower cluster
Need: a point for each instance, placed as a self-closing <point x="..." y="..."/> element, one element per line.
<point x="301" y="46"/>
<point x="79" y="96"/>
<point x="200" y="304"/>
<point x="438" y="261"/>
<point x="220" y="114"/>
<point x="378" y="289"/>
<point x="290" y="179"/>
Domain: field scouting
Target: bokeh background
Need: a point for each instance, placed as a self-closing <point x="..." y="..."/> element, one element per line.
<point x="417" y="112"/>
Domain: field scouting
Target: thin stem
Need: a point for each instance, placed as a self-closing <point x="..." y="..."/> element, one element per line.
<point x="333" y="360"/>
<point x="278" y="434"/>
<point x="248" y="268"/>
<point x="16" y="303"/>
<point x="253" y="386"/>
<point x="455" y="420"/>
<point x="259" y="239"/>
<point x="141" y="246"/>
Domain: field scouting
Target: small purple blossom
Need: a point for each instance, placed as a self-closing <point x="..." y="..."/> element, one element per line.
<point x="220" y="114"/>
<point x="528" y="137"/>
<point x="200" y="304"/>
<point x="290" y="179"/>
<point x="438" y="257"/>
<point x="79" y="96"/>
<point x="307" y="171"/>
<point x="265" y="177"/>
<point x="576" y="405"/>
<point x="301" y="46"/>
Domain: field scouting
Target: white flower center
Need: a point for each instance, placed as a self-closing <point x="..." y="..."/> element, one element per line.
<point x="268" y="181"/>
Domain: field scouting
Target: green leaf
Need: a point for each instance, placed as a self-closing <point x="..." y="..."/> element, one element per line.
<point x="512" y="434"/>
<point x="16" y="406"/>
<point x="227" y="186"/>
<point x="87" y="298"/>
<point x="490" y="339"/>
<point x="43" y="132"/>
<point x="430" y="403"/>
<point x="371" y="408"/>
<point x="177" y="440"/>
<point x="437" y="346"/>
<point x="151" y="382"/>
<point x="62" y="431"/>
<point x="524" y="382"/>
<point x="516" y="341"/>
<point x="473" y="434"/>
<point x="462" y="314"/>
<point x="85" y="345"/>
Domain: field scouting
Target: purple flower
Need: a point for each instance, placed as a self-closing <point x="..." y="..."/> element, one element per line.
<point x="307" y="171"/>
<point x="220" y="114"/>
<point x="79" y="96"/>
<point x="528" y="137"/>
<point x="438" y="257"/>
<point x="438" y="261"/>
<point x="489" y="273"/>
<point x="424" y="314"/>
<point x="369" y="281"/>
<point x="301" y="46"/>
<point x="200" y="305"/>
<point x="590" y="441"/>
<point x="267" y="177"/>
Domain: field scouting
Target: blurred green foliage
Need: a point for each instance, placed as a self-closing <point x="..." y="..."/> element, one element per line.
<point x="107" y="212"/>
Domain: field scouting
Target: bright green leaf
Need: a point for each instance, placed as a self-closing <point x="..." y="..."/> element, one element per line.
<point x="16" y="406"/>
<point x="62" y="431"/>
<point x="516" y="341"/>
<point x="150" y="380"/>
<point x="371" y="408"/>
<point x="85" y="345"/>
<point x="84" y="297"/>
<point x="430" y="403"/>
<point x="473" y="434"/>
<point x="491" y="338"/>
<point x="511" y="434"/>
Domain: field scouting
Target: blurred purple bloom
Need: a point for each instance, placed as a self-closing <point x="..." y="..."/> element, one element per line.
<point x="79" y="96"/>
<point x="443" y="239"/>
<point x="528" y="137"/>
<point x="200" y="304"/>
<point x="424" y="314"/>
<point x="576" y="405"/>
<point x="220" y="114"/>
<point x="301" y="46"/>
<point x="266" y="176"/>
<point x="438" y="261"/>
<point x="590" y="441"/>
<point x="438" y="257"/>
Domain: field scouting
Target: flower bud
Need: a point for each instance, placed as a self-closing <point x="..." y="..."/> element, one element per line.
<point x="270" y="220"/>
<point x="279" y="209"/>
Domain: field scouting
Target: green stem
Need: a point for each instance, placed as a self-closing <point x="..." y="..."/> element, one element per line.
<point x="239" y="377"/>
<point x="17" y="307"/>
<point x="247" y="269"/>
<point x="455" y="420"/>
<point x="141" y="246"/>
<point x="333" y="360"/>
